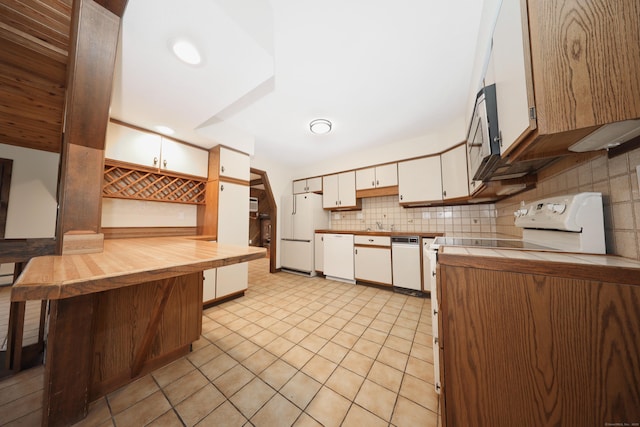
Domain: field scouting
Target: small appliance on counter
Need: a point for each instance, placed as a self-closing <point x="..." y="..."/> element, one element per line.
<point x="569" y="223"/>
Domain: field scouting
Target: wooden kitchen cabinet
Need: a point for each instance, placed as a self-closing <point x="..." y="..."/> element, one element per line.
<point x="132" y="145"/>
<point x="420" y="180"/>
<point x="377" y="177"/>
<point x="372" y="259"/>
<point x="455" y="183"/>
<point x="309" y="185"/>
<point x="561" y="70"/>
<point x="339" y="191"/>
<point x="532" y="343"/>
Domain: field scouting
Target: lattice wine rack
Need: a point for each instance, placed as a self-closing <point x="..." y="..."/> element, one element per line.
<point x="124" y="182"/>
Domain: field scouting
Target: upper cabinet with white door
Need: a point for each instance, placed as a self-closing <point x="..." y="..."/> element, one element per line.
<point x="454" y="173"/>
<point x="377" y="177"/>
<point x="309" y="185"/>
<point x="339" y="191"/>
<point x="132" y="145"/>
<point x="420" y="180"/>
<point x="562" y="69"/>
<point x="233" y="164"/>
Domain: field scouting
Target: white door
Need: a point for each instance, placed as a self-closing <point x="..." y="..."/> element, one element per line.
<point x="300" y="186"/>
<point x="297" y="255"/>
<point x="387" y="175"/>
<point x="209" y="285"/>
<point x="286" y="207"/>
<point x="373" y="264"/>
<point x="365" y="179"/>
<point x="454" y="173"/>
<point x="231" y="278"/>
<point x="347" y="189"/>
<point x="319" y="252"/>
<point x="303" y="218"/>
<point x="330" y="191"/>
<point x="183" y="158"/>
<point x="234" y="164"/>
<point x="233" y="213"/>
<point x="132" y="146"/>
<point x="511" y="74"/>
<point x="420" y="180"/>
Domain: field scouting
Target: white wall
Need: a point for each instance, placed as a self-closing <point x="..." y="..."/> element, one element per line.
<point x="138" y="213"/>
<point x="449" y="135"/>
<point x="33" y="205"/>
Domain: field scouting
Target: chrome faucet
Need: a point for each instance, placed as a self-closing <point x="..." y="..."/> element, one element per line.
<point x="379" y="225"/>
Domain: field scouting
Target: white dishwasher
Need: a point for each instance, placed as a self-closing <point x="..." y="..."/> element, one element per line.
<point x="405" y="262"/>
<point x="338" y="257"/>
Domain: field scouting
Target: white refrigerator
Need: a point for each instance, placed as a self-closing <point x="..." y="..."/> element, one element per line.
<point x="302" y="214"/>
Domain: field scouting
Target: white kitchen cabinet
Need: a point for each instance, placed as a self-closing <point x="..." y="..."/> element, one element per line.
<point x="454" y="173"/>
<point x="233" y="228"/>
<point x="309" y="185"/>
<point x="372" y="259"/>
<point x="377" y="177"/>
<point x="339" y="190"/>
<point x="209" y="285"/>
<point x="511" y="76"/>
<point x="319" y="252"/>
<point x="338" y="256"/>
<point x="135" y="146"/>
<point x="420" y="180"/>
<point x="234" y="164"/>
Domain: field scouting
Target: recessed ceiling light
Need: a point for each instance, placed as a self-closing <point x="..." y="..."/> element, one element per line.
<point x="186" y="51"/>
<point x="165" y="130"/>
<point x="320" y="126"/>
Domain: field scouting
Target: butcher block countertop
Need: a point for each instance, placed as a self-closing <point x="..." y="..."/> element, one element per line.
<point x="124" y="262"/>
<point x="605" y="268"/>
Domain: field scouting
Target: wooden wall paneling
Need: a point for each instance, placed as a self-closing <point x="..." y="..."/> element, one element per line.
<point x="6" y="167"/>
<point x="115" y="6"/>
<point x="22" y="250"/>
<point x="94" y="39"/>
<point x="44" y="21"/>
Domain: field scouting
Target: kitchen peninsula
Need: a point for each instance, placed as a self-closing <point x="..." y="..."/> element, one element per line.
<point x="118" y="314"/>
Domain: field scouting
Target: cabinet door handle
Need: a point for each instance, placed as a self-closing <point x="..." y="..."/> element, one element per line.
<point x="164" y="163"/>
<point x="444" y="193"/>
<point x="377" y="182"/>
<point x="155" y="161"/>
<point x="371" y="240"/>
<point x="356" y="251"/>
<point x="401" y="197"/>
<point x="373" y="183"/>
<point x="222" y="169"/>
<point x="222" y="187"/>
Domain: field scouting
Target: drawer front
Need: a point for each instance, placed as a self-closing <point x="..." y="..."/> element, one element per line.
<point x="372" y="240"/>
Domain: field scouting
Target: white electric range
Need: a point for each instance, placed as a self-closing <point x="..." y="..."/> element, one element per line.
<point x="569" y="223"/>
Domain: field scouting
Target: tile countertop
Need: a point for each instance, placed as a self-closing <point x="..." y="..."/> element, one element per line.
<point x="605" y="268"/>
<point x="426" y="234"/>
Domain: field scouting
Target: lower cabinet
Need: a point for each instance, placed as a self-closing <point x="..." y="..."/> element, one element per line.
<point x="224" y="281"/>
<point x="319" y="252"/>
<point x="372" y="259"/>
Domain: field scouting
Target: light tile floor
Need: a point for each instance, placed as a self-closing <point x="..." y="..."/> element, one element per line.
<point x="293" y="351"/>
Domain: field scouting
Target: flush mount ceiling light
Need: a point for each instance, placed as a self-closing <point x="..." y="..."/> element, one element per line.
<point x="186" y="51"/>
<point x="165" y="130"/>
<point x="320" y="126"/>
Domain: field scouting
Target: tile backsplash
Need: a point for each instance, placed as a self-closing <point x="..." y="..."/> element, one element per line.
<point x="386" y="213"/>
<point x="615" y="178"/>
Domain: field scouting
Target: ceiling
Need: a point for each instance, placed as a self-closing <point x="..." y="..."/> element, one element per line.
<point x="380" y="71"/>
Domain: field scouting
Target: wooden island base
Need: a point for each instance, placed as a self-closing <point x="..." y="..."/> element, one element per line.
<point x="118" y="315"/>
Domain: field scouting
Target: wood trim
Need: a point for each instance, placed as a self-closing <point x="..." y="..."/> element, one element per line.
<point x="358" y="245"/>
<point x="371" y="282"/>
<point x="134" y="232"/>
<point x="216" y="301"/>
<point x="22" y="250"/>
<point x="6" y="166"/>
<point x="234" y="181"/>
<point x="116" y="7"/>
<point x="15" y="334"/>
<point x="377" y="192"/>
<point x="608" y="274"/>
<point x="273" y="215"/>
<point x="161" y="299"/>
<point x="127" y="165"/>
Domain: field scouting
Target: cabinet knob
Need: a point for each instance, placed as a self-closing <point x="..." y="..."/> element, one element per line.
<point x="222" y="187"/>
<point x="401" y="197"/>
<point x="371" y="240"/>
<point x="444" y="193"/>
<point x="356" y="251"/>
<point x="377" y="182"/>
<point x="222" y="169"/>
<point x="164" y="163"/>
<point x="155" y="161"/>
<point x="373" y="184"/>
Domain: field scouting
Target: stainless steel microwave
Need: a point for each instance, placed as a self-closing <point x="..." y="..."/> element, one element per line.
<point x="483" y="140"/>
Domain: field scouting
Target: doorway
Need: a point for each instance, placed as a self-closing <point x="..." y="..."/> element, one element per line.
<point x="263" y="217"/>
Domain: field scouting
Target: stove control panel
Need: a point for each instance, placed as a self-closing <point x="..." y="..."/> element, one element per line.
<point x="565" y="213"/>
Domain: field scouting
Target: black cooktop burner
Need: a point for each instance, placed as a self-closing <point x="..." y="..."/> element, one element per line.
<point x="488" y="243"/>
